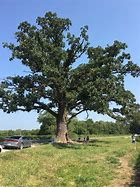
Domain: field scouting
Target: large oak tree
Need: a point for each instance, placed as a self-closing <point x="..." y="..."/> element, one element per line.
<point x="57" y="82"/>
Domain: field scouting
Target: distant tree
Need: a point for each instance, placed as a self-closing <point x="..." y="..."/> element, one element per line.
<point x="11" y="132"/>
<point x="57" y="84"/>
<point x="102" y="127"/>
<point x="34" y="132"/>
<point x="80" y="128"/>
<point x="135" y="123"/>
<point x="47" y="122"/>
<point x="90" y="126"/>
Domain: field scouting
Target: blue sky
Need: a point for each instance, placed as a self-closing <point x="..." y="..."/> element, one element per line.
<point x="108" y="20"/>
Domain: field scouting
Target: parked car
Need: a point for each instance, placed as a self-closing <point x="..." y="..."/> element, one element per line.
<point x="16" y="141"/>
<point x="1" y="148"/>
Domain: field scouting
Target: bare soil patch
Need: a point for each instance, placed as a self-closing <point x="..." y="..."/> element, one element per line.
<point x="125" y="173"/>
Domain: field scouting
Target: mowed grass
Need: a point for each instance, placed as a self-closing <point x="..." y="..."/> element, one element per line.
<point x="92" y="164"/>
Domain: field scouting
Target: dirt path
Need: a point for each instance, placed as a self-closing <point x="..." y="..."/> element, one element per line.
<point x="125" y="173"/>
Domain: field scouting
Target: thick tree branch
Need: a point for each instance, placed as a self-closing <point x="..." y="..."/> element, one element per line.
<point x="45" y="107"/>
<point x="74" y="115"/>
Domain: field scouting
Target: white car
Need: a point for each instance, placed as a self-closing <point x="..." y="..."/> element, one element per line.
<point x="0" y="148"/>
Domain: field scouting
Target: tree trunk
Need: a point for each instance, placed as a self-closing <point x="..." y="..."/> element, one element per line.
<point x="62" y="130"/>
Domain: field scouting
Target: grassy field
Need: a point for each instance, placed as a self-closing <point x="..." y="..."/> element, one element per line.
<point x="93" y="164"/>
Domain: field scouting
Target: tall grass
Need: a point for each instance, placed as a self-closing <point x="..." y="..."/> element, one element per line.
<point x="90" y="164"/>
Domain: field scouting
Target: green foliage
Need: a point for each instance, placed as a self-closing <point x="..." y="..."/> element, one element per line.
<point x="105" y="128"/>
<point x="78" y="128"/>
<point x="119" y="153"/>
<point x="49" y="50"/>
<point x="32" y="132"/>
<point x="135" y="123"/>
<point x="113" y="160"/>
<point x="102" y="127"/>
<point x="48" y="124"/>
<point x="56" y="83"/>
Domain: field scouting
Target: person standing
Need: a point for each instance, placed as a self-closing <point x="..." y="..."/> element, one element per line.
<point x="133" y="138"/>
<point x="87" y="139"/>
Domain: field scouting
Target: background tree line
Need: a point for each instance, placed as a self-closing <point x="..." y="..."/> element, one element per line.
<point x="77" y="128"/>
<point x="81" y="127"/>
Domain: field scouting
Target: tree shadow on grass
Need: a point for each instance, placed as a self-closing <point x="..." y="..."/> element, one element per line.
<point x="100" y="141"/>
<point x="41" y="141"/>
<point x="136" y="176"/>
<point x="80" y="144"/>
<point x="67" y="146"/>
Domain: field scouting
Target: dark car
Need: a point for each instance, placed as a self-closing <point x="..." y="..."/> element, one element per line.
<point x="16" y="142"/>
